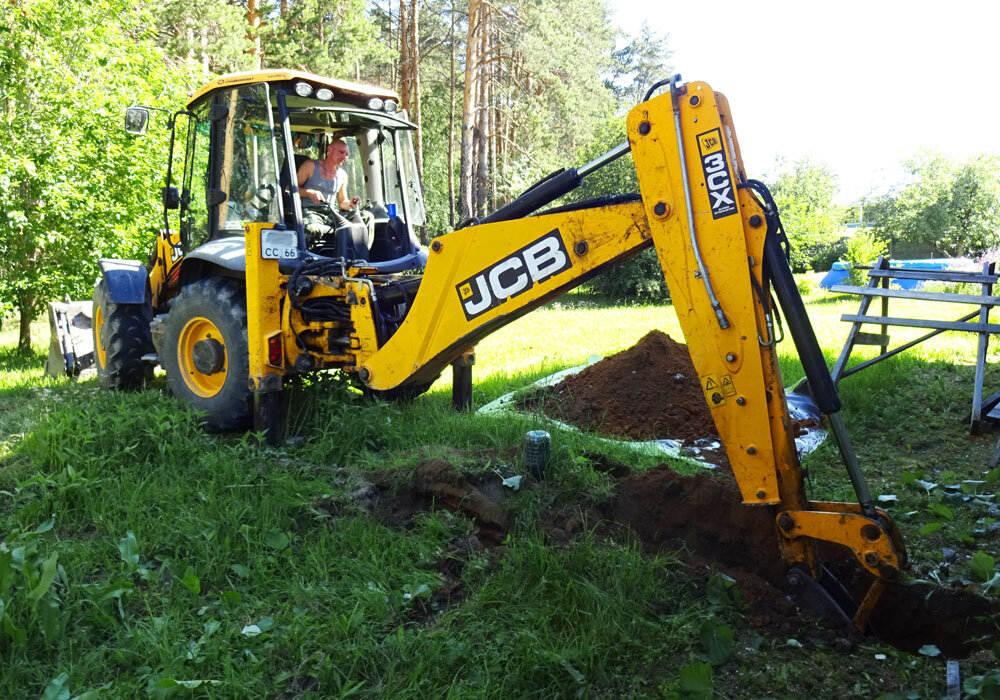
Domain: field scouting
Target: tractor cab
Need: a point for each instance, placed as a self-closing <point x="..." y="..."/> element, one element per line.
<point x="246" y="136"/>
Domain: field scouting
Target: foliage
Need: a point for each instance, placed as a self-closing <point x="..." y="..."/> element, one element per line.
<point x="868" y="211"/>
<point x="31" y="609"/>
<point x="75" y="186"/>
<point x="328" y="38"/>
<point x="205" y="33"/>
<point x="565" y="48"/>
<point x="641" y="277"/>
<point x="862" y="249"/>
<point x="952" y="206"/>
<point x="804" y="195"/>
<point x="641" y="62"/>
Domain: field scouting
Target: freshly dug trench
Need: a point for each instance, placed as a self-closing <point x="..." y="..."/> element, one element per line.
<point x="705" y="513"/>
<point x="648" y="392"/>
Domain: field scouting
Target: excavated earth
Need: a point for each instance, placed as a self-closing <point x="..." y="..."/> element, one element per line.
<point x="626" y="395"/>
<point x="703" y="518"/>
<point x="705" y="513"/>
<point x="648" y="392"/>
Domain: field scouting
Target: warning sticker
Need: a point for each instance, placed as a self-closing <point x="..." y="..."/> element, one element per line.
<point x="726" y="383"/>
<point x="715" y="393"/>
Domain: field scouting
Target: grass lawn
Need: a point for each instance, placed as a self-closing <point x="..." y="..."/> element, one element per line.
<point x="145" y="558"/>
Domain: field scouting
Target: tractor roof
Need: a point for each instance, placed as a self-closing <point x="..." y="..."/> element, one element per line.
<point x="271" y="76"/>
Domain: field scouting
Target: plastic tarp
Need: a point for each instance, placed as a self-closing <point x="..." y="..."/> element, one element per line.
<point x="840" y="273"/>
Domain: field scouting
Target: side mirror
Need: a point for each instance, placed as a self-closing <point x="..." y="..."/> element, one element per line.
<point x="137" y="120"/>
<point x="171" y="198"/>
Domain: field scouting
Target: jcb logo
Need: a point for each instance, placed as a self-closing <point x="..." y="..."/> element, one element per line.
<point x="721" y="194"/>
<point x="514" y="275"/>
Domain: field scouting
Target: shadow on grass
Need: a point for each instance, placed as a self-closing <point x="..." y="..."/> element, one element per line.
<point x="12" y="360"/>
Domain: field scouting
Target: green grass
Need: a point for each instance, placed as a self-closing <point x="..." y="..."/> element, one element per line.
<point x="142" y="557"/>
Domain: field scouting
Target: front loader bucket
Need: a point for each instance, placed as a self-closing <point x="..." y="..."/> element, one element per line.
<point x="71" y="338"/>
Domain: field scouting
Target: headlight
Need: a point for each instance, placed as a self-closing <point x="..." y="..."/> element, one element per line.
<point x="375" y="103"/>
<point x="303" y="89"/>
<point x="324" y="94"/>
<point x="391" y="106"/>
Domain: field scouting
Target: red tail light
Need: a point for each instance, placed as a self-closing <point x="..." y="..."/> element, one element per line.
<point x="275" y="353"/>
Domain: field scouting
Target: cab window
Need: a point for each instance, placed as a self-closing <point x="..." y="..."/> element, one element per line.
<point x="249" y="181"/>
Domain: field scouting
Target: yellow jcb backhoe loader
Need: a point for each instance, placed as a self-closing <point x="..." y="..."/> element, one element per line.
<point x="238" y="294"/>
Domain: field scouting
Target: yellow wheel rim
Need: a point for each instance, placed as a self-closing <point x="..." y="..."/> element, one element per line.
<point x="98" y="321"/>
<point x="202" y="384"/>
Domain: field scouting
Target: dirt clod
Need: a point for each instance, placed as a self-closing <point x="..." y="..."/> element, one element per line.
<point x="648" y="392"/>
<point x="442" y="482"/>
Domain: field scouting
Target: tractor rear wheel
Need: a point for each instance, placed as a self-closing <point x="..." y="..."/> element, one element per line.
<point x="121" y="338"/>
<point x="206" y="354"/>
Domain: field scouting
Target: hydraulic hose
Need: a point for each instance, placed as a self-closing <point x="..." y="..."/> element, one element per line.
<point x="821" y="384"/>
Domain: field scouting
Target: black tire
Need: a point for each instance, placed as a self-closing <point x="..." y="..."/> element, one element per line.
<point x="206" y="354"/>
<point x="121" y="337"/>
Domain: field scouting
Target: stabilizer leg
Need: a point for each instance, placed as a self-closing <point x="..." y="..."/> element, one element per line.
<point x="267" y="415"/>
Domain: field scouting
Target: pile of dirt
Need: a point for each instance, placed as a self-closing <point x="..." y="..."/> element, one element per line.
<point x="648" y="392"/>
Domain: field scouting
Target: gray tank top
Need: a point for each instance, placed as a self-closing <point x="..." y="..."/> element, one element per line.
<point x="329" y="188"/>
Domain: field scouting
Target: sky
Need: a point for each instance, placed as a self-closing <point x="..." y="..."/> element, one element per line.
<point x="857" y="86"/>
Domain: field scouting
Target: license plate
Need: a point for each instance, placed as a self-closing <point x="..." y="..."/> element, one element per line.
<point x="278" y="245"/>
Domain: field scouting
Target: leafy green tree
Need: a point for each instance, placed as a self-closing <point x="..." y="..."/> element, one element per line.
<point x="209" y="33"/>
<point x="566" y="47"/>
<point x="804" y="195"/>
<point x="335" y="38"/>
<point x="953" y="207"/>
<point x="640" y="278"/>
<point x="75" y="187"/>
<point x="862" y="249"/>
<point x="642" y="61"/>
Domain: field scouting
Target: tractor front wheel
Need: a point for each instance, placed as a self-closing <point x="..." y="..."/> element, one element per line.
<point x="121" y="338"/>
<point x="206" y="355"/>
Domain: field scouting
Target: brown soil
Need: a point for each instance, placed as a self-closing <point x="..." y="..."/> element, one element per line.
<point x="648" y="392"/>
<point x="705" y="513"/>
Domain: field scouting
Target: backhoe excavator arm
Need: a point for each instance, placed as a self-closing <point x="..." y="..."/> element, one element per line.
<point x="715" y="240"/>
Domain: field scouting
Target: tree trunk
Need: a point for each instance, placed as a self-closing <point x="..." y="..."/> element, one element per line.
<point x="494" y="132"/>
<point x="26" y="310"/>
<point x="253" y="34"/>
<point x="483" y="120"/>
<point x="469" y="96"/>
<point x="451" y="124"/>
<point x="418" y="144"/>
<point x="404" y="57"/>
